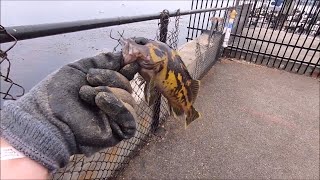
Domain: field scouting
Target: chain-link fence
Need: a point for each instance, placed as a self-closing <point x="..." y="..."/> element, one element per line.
<point x="8" y="86"/>
<point x="208" y="48"/>
<point x="109" y="162"/>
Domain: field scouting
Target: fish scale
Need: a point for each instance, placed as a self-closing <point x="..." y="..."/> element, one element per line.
<point x="164" y="70"/>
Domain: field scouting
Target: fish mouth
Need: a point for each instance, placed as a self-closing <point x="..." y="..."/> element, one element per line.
<point x="132" y="51"/>
<point x="146" y="64"/>
<point x="128" y="59"/>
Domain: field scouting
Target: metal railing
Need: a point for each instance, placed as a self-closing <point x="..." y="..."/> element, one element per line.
<point x="284" y="35"/>
<point x="110" y="162"/>
<point x="41" y="30"/>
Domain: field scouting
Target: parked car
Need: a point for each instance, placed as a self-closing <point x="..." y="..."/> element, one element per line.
<point x="275" y="5"/>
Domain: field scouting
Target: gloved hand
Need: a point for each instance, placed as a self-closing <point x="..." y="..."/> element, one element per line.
<point x="81" y="108"/>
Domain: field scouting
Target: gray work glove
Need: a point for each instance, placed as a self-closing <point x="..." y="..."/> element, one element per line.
<point x="81" y="108"/>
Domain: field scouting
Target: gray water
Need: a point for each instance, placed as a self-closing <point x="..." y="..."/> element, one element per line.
<point x="32" y="60"/>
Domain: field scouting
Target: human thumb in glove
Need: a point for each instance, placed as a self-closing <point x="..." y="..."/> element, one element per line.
<point x="81" y="108"/>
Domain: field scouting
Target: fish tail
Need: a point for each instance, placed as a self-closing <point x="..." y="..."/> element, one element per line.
<point x="192" y="115"/>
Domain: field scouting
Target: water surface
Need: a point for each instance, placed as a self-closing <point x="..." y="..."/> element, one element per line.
<point x="34" y="59"/>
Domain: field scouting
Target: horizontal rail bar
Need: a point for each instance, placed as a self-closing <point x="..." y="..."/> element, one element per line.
<point x="41" y="30"/>
<point x="265" y="41"/>
<point x="233" y="48"/>
<point x="196" y="28"/>
<point x="278" y="43"/>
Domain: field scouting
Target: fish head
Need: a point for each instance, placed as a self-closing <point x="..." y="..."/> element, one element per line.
<point x="145" y="52"/>
<point x="132" y="51"/>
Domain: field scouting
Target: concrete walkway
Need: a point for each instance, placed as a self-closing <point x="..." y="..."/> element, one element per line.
<point x="256" y="123"/>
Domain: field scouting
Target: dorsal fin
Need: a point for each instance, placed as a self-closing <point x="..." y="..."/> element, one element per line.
<point x="194" y="86"/>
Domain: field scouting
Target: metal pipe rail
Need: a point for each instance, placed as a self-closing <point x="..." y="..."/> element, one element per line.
<point x="41" y="30"/>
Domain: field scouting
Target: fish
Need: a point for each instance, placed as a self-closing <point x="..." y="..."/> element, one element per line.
<point x="164" y="71"/>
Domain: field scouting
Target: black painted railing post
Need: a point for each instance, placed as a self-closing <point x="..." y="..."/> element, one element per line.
<point x="164" y="22"/>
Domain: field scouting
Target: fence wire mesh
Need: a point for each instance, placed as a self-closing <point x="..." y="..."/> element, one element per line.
<point x="207" y="33"/>
<point x="208" y="48"/>
<point x="7" y="84"/>
<point x="173" y="35"/>
<point x="110" y="162"/>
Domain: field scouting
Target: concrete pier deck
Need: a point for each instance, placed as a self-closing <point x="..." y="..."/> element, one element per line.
<point x="257" y="123"/>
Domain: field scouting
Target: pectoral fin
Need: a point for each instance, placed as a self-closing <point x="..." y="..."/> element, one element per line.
<point x="194" y="86"/>
<point x="153" y="93"/>
<point x="171" y="111"/>
<point x="146" y="92"/>
<point x="177" y="111"/>
<point x="153" y="97"/>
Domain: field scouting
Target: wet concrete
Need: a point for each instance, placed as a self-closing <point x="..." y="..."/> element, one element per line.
<point x="256" y="123"/>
